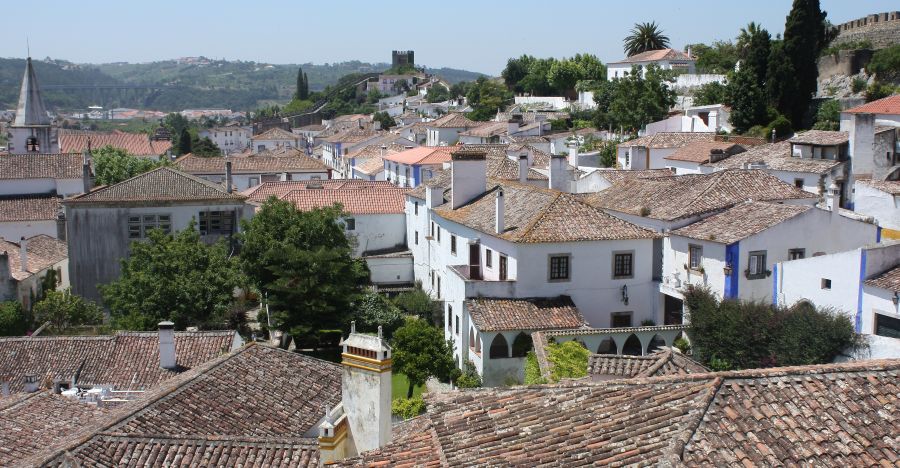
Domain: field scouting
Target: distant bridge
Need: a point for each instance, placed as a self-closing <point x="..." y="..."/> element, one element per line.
<point x="111" y="86"/>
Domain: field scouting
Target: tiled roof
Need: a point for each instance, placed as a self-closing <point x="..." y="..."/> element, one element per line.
<point x="889" y="105"/>
<point x="29" y="209"/>
<point x="29" y="423"/>
<point x="41" y="166"/>
<point x="658" y="54"/>
<point x="258" y="401"/>
<point x="42" y="252"/>
<point x="741" y="221"/>
<point x="675" y="197"/>
<point x="374" y="150"/>
<point x="889" y="280"/>
<point x="623" y="175"/>
<point x="537" y="215"/>
<point x="422" y="155"/>
<point x="500" y="314"/>
<point x="250" y="165"/>
<point x="832" y="415"/>
<point x="139" y="144"/>
<point x="265" y="190"/>
<point x="370" y="166"/>
<point x="275" y="133"/>
<point x="821" y="138"/>
<point x="370" y="200"/>
<point x="668" y="139"/>
<point x="776" y="156"/>
<point x="311" y="128"/>
<point x="160" y="184"/>
<point x="487" y="129"/>
<point x="126" y="360"/>
<point x="419" y="448"/>
<point x="352" y="135"/>
<point x="531" y="116"/>
<point x="700" y="151"/>
<point x="887" y="186"/>
<point x="662" y="362"/>
<point x="452" y="120"/>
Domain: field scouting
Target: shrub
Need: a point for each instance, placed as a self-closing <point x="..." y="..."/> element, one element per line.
<point x="408" y="408"/>
<point x="375" y="310"/>
<point x="682" y="344"/>
<point x="879" y="90"/>
<point x="858" y="84"/>
<point x="885" y="64"/>
<point x="567" y="360"/>
<point x="469" y="377"/>
<point x="13" y="321"/>
<point x="533" y="370"/>
<point x="781" y="125"/>
<point x="418" y="303"/>
<point x="65" y="310"/>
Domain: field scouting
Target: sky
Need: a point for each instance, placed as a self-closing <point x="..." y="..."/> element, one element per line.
<point x="476" y="35"/>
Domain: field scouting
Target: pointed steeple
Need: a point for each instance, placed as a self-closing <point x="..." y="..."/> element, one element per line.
<point x="31" y="110"/>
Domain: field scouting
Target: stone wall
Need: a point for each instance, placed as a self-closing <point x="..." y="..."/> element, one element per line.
<point x="881" y="29"/>
<point x="845" y="62"/>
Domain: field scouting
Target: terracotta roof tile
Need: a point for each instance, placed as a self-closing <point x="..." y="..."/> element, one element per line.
<point x="889" y="280"/>
<point x="702" y="151"/>
<point x="138" y="144"/>
<point x="668" y="139"/>
<point x="820" y="137"/>
<point x="889" y="105"/>
<point x="741" y="221"/>
<point x="29" y="209"/>
<point x="676" y="197"/>
<point x="249" y="165"/>
<point x="500" y="314"/>
<point x="422" y="155"/>
<point x="370" y="166"/>
<point x="616" y="176"/>
<point x="452" y="120"/>
<point x="275" y="133"/>
<point x="357" y="201"/>
<point x="265" y="190"/>
<point x="487" y="130"/>
<point x="662" y="362"/>
<point x="657" y="54"/>
<point x="776" y="156"/>
<point x="160" y="184"/>
<point x="42" y="251"/>
<point x="887" y="186"/>
<point x="41" y="166"/>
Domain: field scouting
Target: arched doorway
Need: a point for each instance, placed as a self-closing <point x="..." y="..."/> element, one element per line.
<point x="499" y="347"/>
<point x="521" y="345"/>
<point x="632" y="346"/>
<point x="607" y="346"/>
<point x="656" y="343"/>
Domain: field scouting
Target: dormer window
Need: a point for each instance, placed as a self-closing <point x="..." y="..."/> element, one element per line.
<point x="31" y="145"/>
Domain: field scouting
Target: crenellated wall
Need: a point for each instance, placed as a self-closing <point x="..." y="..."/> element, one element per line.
<point x="881" y="29"/>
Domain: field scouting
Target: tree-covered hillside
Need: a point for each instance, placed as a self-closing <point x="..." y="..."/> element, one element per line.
<point x="180" y="84"/>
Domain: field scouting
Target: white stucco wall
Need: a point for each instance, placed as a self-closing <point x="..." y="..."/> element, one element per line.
<point x="13" y="231"/>
<point x="884" y="207"/>
<point x="377" y="231"/>
<point x="64" y="187"/>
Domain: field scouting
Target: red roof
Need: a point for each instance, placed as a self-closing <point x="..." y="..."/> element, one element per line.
<point x="422" y="155"/>
<point x="889" y="105"/>
<point x="139" y="144"/>
<point x="372" y="200"/>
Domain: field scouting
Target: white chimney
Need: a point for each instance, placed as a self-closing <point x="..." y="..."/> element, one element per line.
<point x="499" y="215"/>
<point x="512" y="126"/>
<point x="167" y="345"/>
<point x="31" y="383"/>
<point x="383" y="151"/>
<point x="468" y="178"/>
<point x="434" y="196"/>
<point x="831" y="198"/>
<point x="523" y="168"/>
<point x="228" y="182"/>
<point x="559" y="173"/>
<point x="573" y="153"/>
<point x="23" y="254"/>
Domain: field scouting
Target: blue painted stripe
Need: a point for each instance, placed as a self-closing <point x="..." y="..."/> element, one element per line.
<point x="859" y="297"/>
<point x="775" y="285"/>
<point x="732" y="257"/>
<point x="878" y="235"/>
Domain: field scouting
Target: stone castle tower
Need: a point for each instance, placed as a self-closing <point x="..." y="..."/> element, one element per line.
<point x="32" y="131"/>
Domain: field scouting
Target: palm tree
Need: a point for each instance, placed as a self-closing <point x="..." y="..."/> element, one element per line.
<point x="644" y="37"/>
<point x="746" y="35"/>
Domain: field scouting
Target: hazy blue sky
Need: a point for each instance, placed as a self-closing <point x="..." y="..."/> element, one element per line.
<point x="475" y="35"/>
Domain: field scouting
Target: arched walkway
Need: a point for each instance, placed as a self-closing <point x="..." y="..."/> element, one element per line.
<point x="521" y="345"/>
<point x="632" y="346"/>
<point x="471" y="339"/>
<point x="607" y="346"/>
<point x="655" y="343"/>
<point x="499" y="347"/>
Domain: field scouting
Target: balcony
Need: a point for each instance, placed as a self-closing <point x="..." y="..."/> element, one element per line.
<point x="477" y="286"/>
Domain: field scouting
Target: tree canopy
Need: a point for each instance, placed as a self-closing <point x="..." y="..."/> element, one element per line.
<point x="804" y="38"/>
<point x="63" y="310"/>
<point x="420" y="351"/>
<point x="486" y="97"/>
<point x="303" y="261"/>
<point x="638" y="99"/>
<point x="644" y="37"/>
<point x="113" y="165"/>
<point x="175" y="277"/>
<point x="13" y="321"/>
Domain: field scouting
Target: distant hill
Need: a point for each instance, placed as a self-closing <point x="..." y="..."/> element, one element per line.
<point x="180" y="84"/>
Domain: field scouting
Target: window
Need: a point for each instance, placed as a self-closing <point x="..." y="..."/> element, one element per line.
<point x="887" y="326"/>
<point x="439" y="234"/>
<point x="350" y="224"/>
<point x="503" y="271"/>
<point x="216" y="222"/>
<point x="417" y="237"/>
<point x="416" y="208"/>
<point x="439" y="286"/>
<point x="622" y="265"/>
<point x="796" y="254"/>
<point x="826" y="283"/>
<point x="432" y="229"/>
<point x="32" y="145"/>
<point x="695" y="256"/>
<point x="449" y="317"/>
<point x="452" y="244"/>
<point x="140" y="226"/>
<point x="756" y="265"/>
<point x="254" y="181"/>
<point x="456" y="324"/>
<point x="559" y="267"/>
<point x="798" y="183"/>
<point x="620" y="319"/>
<point x="488" y="258"/>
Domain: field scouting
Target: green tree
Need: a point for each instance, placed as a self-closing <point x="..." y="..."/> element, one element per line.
<point x="711" y="93"/>
<point x="184" y="142"/>
<point x="173" y="277"/>
<point x="113" y="165"/>
<point x="205" y="147"/>
<point x="64" y="310"/>
<point x="420" y="352"/>
<point x="437" y="93"/>
<point x="418" y="303"/>
<point x="828" y="117"/>
<point x="400" y="86"/>
<point x="486" y="97"/>
<point x="302" y="92"/>
<point x="591" y="67"/>
<point x="373" y="311"/>
<point x="885" y="64"/>
<point x="755" y="48"/>
<point x="469" y="377"/>
<point x="567" y="360"/>
<point x="536" y="82"/>
<point x="303" y="261"/>
<point x="804" y="38"/>
<point x="384" y="119"/>
<point x="719" y="58"/>
<point x="748" y="101"/>
<point x="563" y="75"/>
<point x="779" y="77"/>
<point x="638" y="100"/>
<point x="644" y="37"/>
<point x="13" y="321"/>
<point x="516" y="70"/>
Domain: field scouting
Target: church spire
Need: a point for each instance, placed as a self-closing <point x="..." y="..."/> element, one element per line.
<point x="31" y="110"/>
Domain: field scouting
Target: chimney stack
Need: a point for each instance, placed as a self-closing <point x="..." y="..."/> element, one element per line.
<point x="468" y="178"/>
<point x="499" y="215"/>
<point x="573" y="153"/>
<point x="23" y="254"/>
<point x="167" y="345"/>
<point x="86" y="180"/>
<point x="228" y="182"/>
<point x="559" y="173"/>
<point x="831" y="199"/>
<point x="523" y="168"/>
<point x="512" y="125"/>
<point x="383" y="151"/>
<point x="31" y="383"/>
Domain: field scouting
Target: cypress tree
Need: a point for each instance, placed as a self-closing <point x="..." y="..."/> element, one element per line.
<point x="804" y="36"/>
<point x="780" y="85"/>
<point x="184" y="142"/>
<point x="305" y="87"/>
<point x="756" y="57"/>
<point x="299" y="93"/>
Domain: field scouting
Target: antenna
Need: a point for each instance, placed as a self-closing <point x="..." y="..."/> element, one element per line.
<point x="27" y="45"/>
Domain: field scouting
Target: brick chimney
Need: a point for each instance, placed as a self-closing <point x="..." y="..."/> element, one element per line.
<point x="523" y="168"/>
<point x="468" y="178"/>
<point x="31" y="383"/>
<point x="23" y="254"/>
<point x="167" y="358"/>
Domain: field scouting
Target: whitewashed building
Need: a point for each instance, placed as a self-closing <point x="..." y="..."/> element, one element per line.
<point x="445" y="130"/>
<point x="649" y="152"/>
<point x="667" y="59"/>
<point x="25" y="263"/>
<point x="230" y="139"/>
<point x="248" y="171"/>
<point x="275" y="138"/>
<point x="702" y="119"/>
<point x="411" y="167"/>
